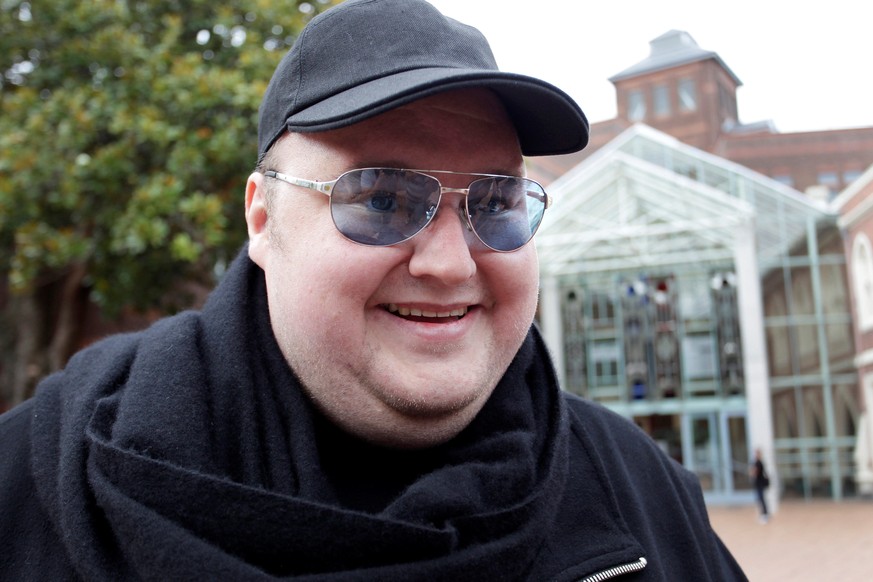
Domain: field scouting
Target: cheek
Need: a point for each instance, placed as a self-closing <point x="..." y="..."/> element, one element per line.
<point x="514" y="280"/>
<point x="307" y="319"/>
<point x="319" y="288"/>
<point x="307" y="258"/>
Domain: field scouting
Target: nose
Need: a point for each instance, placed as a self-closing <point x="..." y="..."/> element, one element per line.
<point x="442" y="249"/>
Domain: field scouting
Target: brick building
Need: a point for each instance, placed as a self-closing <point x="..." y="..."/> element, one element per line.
<point x="691" y="94"/>
<point x="855" y="207"/>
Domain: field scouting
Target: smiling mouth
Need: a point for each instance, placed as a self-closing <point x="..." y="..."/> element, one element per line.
<point x="420" y="315"/>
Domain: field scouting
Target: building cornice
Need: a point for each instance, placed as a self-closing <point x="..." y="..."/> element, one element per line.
<point x="864" y="359"/>
<point x="852" y="217"/>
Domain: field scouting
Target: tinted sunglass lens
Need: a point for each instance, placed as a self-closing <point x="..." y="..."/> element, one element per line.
<point x="505" y="212"/>
<point x="384" y="206"/>
<point x="380" y="206"/>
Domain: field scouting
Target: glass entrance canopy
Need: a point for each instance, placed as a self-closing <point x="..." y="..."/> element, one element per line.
<point x="692" y="294"/>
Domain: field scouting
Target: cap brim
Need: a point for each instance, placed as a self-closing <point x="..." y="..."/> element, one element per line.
<point x="547" y="120"/>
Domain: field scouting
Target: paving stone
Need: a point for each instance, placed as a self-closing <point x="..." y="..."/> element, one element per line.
<point x="816" y="540"/>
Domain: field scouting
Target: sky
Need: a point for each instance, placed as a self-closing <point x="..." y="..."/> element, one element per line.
<point x="805" y="65"/>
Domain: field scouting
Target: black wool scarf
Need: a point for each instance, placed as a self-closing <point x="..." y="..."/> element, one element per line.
<point x="188" y="451"/>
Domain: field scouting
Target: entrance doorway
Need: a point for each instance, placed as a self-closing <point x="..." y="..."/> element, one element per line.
<point x="714" y="445"/>
<point x="716" y="448"/>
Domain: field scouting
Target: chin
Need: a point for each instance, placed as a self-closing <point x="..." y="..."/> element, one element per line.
<point x="398" y="430"/>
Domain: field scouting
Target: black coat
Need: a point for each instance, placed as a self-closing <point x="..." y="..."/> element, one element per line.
<point x="189" y="452"/>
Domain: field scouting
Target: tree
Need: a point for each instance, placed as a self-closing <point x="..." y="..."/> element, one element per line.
<point x="127" y="130"/>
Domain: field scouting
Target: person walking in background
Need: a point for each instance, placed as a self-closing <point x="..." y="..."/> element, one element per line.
<point x="761" y="482"/>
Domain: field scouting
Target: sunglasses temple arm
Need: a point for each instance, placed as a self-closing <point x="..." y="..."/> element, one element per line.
<point x="323" y="187"/>
<point x="544" y="198"/>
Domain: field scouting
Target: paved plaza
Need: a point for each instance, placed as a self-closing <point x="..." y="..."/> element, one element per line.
<point x="818" y="540"/>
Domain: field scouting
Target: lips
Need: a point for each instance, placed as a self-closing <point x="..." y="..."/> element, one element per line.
<point x="425" y="315"/>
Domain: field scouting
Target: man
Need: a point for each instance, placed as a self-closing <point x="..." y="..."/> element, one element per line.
<point x="761" y="482"/>
<point x="363" y="397"/>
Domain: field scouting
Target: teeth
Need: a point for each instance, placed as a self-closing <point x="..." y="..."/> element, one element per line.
<point x="407" y="311"/>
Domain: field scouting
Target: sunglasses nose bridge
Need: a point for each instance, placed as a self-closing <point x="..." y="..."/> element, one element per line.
<point x="462" y="206"/>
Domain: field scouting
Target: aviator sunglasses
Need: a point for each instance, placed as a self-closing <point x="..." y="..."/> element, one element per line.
<point x="386" y="206"/>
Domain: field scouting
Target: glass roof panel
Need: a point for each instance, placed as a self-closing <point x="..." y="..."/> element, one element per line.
<point x="646" y="198"/>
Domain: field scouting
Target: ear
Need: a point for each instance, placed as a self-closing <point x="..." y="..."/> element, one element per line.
<point x="256" y="218"/>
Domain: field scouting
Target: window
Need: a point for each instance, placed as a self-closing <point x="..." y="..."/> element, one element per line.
<point x="830" y="179"/>
<point x="850" y="176"/>
<point x="784" y="179"/>
<point x="604" y="357"/>
<point x="662" y="100"/>
<point x="727" y="106"/>
<point x="687" y="95"/>
<point x="602" y="311"/>
<point x="699" y="355"/>
<point x="862" y="280"/>
<point x="636" y="106"/>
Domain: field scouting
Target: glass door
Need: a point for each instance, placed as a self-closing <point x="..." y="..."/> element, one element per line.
<point x="705" y="459"/>
<point x="715" y="446"/>
<point x="738" y="453"/>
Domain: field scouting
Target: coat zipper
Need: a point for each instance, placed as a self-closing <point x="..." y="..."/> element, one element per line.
<point x="616" y="571"/>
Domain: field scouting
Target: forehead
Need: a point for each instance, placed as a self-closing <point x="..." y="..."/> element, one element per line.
<point x="468" y="129"/>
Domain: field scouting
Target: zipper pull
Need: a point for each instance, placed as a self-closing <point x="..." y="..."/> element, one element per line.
<point x="616" y="571"/>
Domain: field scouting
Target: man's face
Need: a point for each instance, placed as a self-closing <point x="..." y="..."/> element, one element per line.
<point x="336" y="306"/>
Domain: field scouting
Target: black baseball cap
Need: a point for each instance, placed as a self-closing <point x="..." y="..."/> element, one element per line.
<point x="365" y="57"/>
